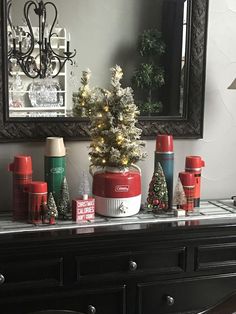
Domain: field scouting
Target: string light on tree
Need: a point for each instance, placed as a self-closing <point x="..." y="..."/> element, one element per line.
<point x="106" y="108"/>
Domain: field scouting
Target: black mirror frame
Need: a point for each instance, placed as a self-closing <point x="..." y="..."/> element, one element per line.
<point x="190" y="126"/>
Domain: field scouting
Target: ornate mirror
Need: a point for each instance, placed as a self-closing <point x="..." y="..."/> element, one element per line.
<point x="45" y="46"/>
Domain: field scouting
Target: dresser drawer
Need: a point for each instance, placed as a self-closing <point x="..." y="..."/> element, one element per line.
<point x="100" y="301"/>
<point x="215" y="256"/>
<point x="31" y="273"/>
<point x="123" y="264"/>
<point x="178" y="296"/>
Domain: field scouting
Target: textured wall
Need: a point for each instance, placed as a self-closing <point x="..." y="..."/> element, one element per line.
<point x="218" y="147"/>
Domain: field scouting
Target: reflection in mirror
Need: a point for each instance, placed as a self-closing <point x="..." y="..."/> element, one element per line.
<point x="148" y="39"/>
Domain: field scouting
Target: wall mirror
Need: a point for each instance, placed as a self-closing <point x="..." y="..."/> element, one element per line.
<point x="45" y="46"/>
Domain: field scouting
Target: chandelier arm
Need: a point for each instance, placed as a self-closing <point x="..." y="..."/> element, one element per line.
<point x="61" y="64"/>
<point x="54" y="21"/>
<point x="9" y="6"/>
<point x="27" y="7"/>
<point x="22" y="63"/>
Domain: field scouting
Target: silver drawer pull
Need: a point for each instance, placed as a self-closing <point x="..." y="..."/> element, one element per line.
<point x="132" y="266"/>
<point x="2" y="279"/>
<point x="170" y="300"/>
<point x="91" y="309"/>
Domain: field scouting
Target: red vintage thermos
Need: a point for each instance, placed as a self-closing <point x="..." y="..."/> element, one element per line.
<point x="194" y="165"/>
<point x="22" y="176"/>
<point x="188" y="181"/>
<point x="117" y="192"/>
<point x="37" y="191"/>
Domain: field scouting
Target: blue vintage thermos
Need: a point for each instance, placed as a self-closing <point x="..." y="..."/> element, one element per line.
<point x="165" y="155"/>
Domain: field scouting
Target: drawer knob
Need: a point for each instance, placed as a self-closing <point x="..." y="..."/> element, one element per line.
<point x="91" y="309"/>
<point x="170" y="300"/>
<point x="132" y="266"/>
<point x="2" y="279"/>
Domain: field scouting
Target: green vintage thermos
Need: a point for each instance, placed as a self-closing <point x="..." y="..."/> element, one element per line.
<point x="54" y="165"/>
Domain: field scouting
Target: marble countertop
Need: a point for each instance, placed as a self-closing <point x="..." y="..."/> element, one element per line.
<point x="209" y="210"/>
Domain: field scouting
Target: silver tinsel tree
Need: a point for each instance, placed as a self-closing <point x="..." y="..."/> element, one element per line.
<point x="84" y="186"/>
<point x="115" y="137"/>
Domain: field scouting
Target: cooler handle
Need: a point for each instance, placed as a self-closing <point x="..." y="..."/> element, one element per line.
<point x="136" y="167"/>
<point x="91" y="170"/>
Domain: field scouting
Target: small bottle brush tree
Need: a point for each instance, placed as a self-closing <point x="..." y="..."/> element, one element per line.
<point x="115" y="138"/>
<point x="52" y="209"/>
<point x="158" y="194"/>
<point x="81" y="99"/>
<point x="179" y="194"/>
<point x="149" y="76"/>
<point x="64" y="205"/>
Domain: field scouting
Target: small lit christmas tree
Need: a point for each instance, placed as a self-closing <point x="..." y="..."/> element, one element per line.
<point x="115" y="137"/>
<point x="52" y="212"/>
<point x="149" y="76"/>
<point x="64" y="206"/>
<point x="81" y="99"/>
<point x="179" y="194"/>
<point x="158" y="195"/>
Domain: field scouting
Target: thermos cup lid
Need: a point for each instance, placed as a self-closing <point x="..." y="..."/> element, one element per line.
<point x="187" y="178"/>
<point x="55" y="147"/>
<point x="38" y="187"/>
<point x="22" y="164"/>
<point x="194" y="163"/>
<point x="164" y="143"/>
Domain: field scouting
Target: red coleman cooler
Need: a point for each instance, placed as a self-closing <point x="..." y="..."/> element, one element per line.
<point x="117" y="192"/>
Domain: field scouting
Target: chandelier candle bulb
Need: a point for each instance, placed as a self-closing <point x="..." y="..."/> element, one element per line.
<point x="194" y="165"/>
<point x="54" y="165"/>
<point x="165" y="155"/>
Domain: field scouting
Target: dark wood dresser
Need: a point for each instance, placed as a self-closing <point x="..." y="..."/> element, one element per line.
<point x="153" y="268"/>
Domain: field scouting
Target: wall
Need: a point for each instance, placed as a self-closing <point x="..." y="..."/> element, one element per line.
<point x="218" y="147"/>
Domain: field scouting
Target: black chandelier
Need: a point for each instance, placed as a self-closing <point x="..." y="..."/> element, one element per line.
<point x="46" y="61"/>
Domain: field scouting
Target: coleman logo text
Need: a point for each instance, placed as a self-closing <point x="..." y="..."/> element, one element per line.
<point x="121" y="188"/>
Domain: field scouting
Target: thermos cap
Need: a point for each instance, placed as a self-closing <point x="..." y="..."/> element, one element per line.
<point x="194" y="163"/>
<point x="187" y="178"/>
<point x="38" y="187"/>
<point x="164" y="143"/>
<point x="22" y="164"/>
<point x="55" y="147"/>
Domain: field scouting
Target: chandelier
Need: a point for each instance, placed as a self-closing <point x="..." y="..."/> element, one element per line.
<point x="32" y="52"/>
